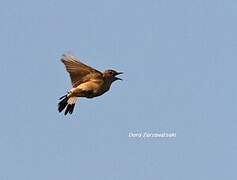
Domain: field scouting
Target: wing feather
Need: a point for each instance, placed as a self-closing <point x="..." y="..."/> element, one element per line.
<point x="77" y="70"/>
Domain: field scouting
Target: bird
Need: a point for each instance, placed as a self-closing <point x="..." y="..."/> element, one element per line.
<point x="86" y="81"/>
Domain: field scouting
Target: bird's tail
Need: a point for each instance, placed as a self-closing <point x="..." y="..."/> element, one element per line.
<point x="68" y="103"/>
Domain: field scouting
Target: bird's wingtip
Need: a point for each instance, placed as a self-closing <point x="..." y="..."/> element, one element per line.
<point x="68" y="56"/>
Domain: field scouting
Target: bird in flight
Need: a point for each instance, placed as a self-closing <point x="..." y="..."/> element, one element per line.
<point x="86" y="82"/>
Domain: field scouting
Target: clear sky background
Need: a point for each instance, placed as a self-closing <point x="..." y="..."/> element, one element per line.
<point x="179" y="63"/>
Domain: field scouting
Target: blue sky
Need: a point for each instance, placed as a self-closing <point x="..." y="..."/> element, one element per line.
<point x="179" y="64"/>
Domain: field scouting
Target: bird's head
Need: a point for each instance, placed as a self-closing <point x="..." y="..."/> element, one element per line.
<point x="111" y="75"/>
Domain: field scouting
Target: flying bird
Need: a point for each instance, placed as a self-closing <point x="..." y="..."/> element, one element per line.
<point x="86" y="82"/>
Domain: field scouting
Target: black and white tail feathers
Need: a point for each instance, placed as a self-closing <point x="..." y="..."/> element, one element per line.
<point x="68" y="103"/>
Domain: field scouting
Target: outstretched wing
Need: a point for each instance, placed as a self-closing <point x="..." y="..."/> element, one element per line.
<point x="77" y="70"/>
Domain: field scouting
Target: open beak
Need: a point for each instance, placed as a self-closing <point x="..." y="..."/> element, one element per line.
<point x="117" y="78"/>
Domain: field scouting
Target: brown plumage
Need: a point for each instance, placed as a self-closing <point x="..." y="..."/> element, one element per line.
<point x="86" y="82"/>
